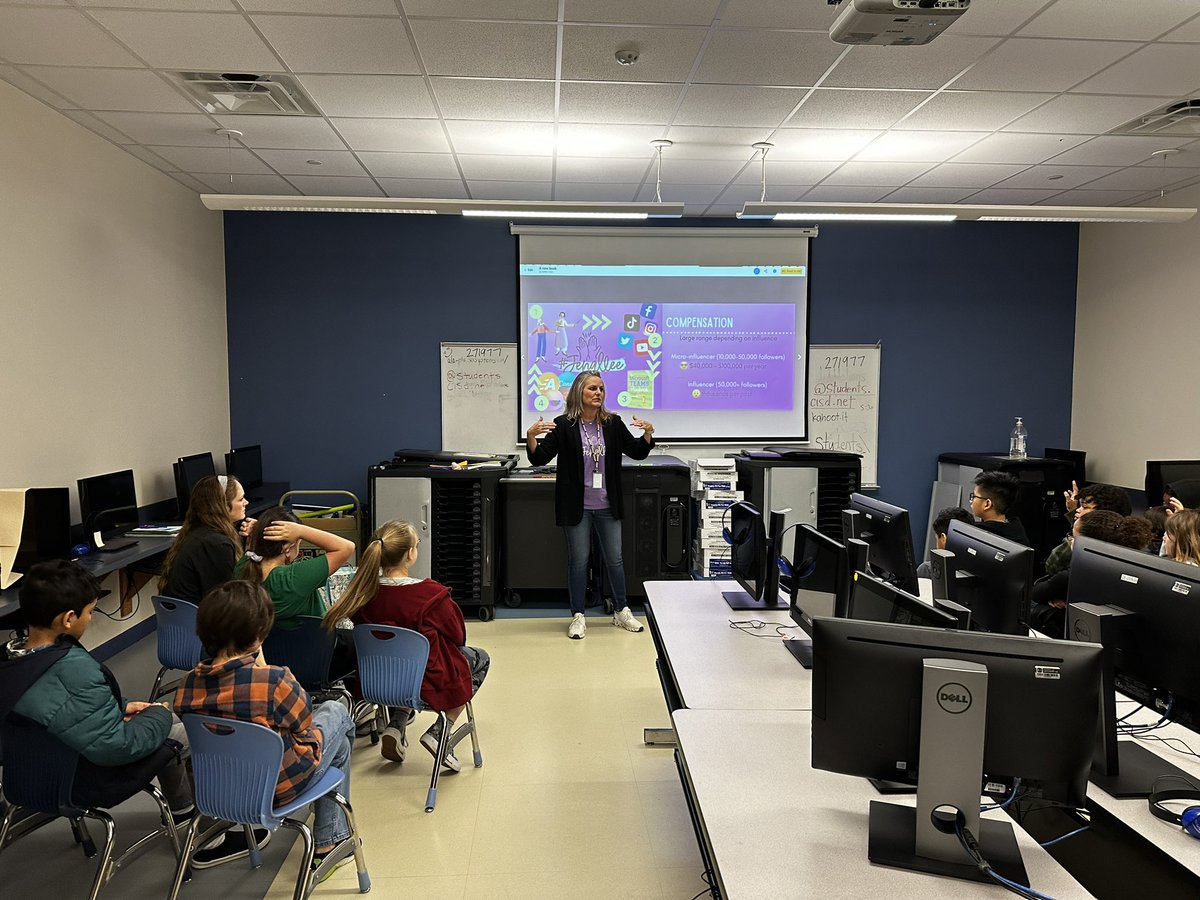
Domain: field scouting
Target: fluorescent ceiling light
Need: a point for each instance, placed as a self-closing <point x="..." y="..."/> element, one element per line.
<point x="510" y="209"/>
<point x="928" y="212"/>
<point x="557" y="214"/>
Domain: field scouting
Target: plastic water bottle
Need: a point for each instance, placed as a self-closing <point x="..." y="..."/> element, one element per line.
<point x="1017" y="441"/>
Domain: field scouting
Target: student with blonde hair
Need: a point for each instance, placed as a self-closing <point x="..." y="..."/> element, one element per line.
<point x="384" y="593"/>
<point x="210" y="542"/>
<point x="1181" y="541"/>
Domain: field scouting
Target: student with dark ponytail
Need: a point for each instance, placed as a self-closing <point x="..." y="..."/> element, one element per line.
<point x="209" y="544"/>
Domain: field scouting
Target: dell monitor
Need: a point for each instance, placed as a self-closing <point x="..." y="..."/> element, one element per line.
<point x="46" y="527"/>
<point x="874" y="600"/>
<point x="951" y="712"/>
<point x="754" y="557"/>
<point x="108" y="502"/>
<point x="989" y="575"/>
<point x="885" y="530"/>
<point x="245" y="464"/>
<point x="1145" y="610"/>
<point x="818" y="582"/>
<point x="189" y="470"/>
<point x="1161" y="472"/>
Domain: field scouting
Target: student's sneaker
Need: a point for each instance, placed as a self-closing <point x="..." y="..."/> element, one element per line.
<point x="229" y="846"/>
<point x="394" y="745"/>
<point x="319" y="859"/>
<point x="429" y="740"/>
<point x="623" y="618"/>
<point x="578" y="627"/>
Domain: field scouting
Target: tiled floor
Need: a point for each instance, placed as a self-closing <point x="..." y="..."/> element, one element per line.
<point x="569" y="802"/>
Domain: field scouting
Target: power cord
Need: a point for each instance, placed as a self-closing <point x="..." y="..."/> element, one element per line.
<point x="749" y="626"/>
<point x="137" y="598"/>
<point x="971" y="845"/>
<point x="711" y="890"/>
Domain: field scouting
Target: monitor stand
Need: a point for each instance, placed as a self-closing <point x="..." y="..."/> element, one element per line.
<point x="802" y="650"/>
<point x="892" y="787"/>
<point x="743" y="600"/>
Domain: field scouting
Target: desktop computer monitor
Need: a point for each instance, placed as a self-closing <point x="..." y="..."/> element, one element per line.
<point x="1145" y="610"/>
<point x="989" y="575"/>
<point x="1161" y="472"/>
<point x="46" y="528"/>
<point x="820" y="577"/>
<point x="874" y="600"/>
<point x="754" y="557"/>
<point x="952" y="711"/>
<point x="885" y="530"/>
<point x="245" y="464"/>
<point x="189" y="470"/>
<point x="107" y="502"/>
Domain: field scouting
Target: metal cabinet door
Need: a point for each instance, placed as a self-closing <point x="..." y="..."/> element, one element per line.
<point x="409" y="500"/>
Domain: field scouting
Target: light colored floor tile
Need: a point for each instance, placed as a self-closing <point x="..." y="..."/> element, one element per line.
<point x="681" y="884"/>
<point x="672" y="838"/>
<point x="616" y="883"/>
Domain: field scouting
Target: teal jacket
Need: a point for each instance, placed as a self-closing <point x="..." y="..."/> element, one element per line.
<point x="78" y="701"/>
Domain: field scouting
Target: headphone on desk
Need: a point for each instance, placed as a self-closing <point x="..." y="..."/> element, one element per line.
<point x="730" y="537"/>
<point x="1189" y="819"/>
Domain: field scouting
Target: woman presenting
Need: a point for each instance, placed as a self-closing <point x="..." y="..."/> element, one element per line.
<point x="589" y="441"/>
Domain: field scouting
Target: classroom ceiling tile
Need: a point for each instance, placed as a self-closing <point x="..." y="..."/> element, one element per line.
<point x="335" y="186"/>
<point x="699" y="171"/>
<point x="617" y="103"/>
<point x="505" y="168"/>
<point x="409" y="165"/>
<point x="918" y="146"/>
<point x="819" y="143"/>
<point x="1018" y="148"/>
<point x="767" y="57"/>
<point x="855" y="109"/>
<point x="172" y="5"/>
<point x="1157" y="69"/>
<point x="1011" y="197"/>
<point x="546" y="10"/>
<point x="1125" y="150"/>
<point x="1141" y="178"/>
<point x="972" y="110"/>
<point x="246" y="184"/>
<point x="150" y="158"/>
<point x="1189" y="32"/>
<point x="937" y="195"/>
<point x="845" y="193"/>
<point x="283" y="132"/>
<point x="370" y="96"/>
<point x="192" y="184"/>
<point x="397" y="135"/>
<point x="660" y="12"/>
<point x="677" y="192"/>
<point x="33" y="88"/>
<point x="664" y="54"/>
<point x="586" y="192"/>
<point x="779" y="14"/>
<point x="57" y="37"/>
<point x="1062" y="178"/>
<point x="876" y="173"/>
<point x="782" y="171"/>
<point x="705" y="142"/>
<point x="90" y="121"/>
<point x="344" y="7"/>
<point x="737" y="105"/>
<point x="966" y="175"/>
<point x="221" y="42"/>
<point x="610" y="141"/>
<point x="112" y="89"/>
<point x="1094" y="198"/>
<point x="1035" y="64"/>
<point x="1084" y="113"/>
<point x="516" y="138"/>
<point x="321" y="163"/>
<point x="175" y="129"/>
<point x="488" y="98"/>
<point x="511" y="190"/>
<point x="450" y="47"/>
<point x="434" y="188"/>
<point x="214" y="160"/>
<point x="997" y="17"/>
<point x="579" y="169"/>
<point x="1140" y="21"/>
<point x="883" y="67"/>
<point x="340" y="44"/>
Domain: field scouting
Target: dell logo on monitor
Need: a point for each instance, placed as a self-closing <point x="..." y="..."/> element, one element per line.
<point x="954" y="698"/>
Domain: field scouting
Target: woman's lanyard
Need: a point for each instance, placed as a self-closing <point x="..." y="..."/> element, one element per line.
<point x="594" y="450"/>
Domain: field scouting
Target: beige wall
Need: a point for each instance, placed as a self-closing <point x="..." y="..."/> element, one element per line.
<point x="1137" y="321"/>
<point x="112" y="310"/>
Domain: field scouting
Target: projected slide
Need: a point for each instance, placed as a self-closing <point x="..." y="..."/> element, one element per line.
<point x="707" y="349"/>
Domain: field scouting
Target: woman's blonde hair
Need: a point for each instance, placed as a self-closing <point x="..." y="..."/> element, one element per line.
<point x="575" y="397"/>
<point x="208" y="507"/>
<point x="387" y="549"/>
<point x="1184" y="529"/>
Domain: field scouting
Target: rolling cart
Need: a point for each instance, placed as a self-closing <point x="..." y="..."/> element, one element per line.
<point x="344" y="520"/>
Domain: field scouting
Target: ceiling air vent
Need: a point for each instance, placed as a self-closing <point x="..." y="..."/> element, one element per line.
<point x="245" y="95"/>
<point x="1179" y="118"/>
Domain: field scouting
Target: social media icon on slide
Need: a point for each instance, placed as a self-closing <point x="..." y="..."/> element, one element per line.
<point x="649" y="310"/>
<point x="654" y="339"/>
<point x="632" y="322"/>
<point x="625" y="341"/>
<point x="650" y="328"/>
<point x="641" y="348"/>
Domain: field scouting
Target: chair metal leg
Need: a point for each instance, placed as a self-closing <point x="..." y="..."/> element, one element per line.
<point x="474" y="736"/>
<point x="158" y="679"/>
<point x="185" y="856"/>
<point x="360" y="861"/>
<point x="252" y="847"/>
<point x="304" y="876"/>
<point x="84" y="837"/>
<point x="106" y="854"/>
<point x="443" y="743"/>
<point x="6" y="826"/>
<point x="168" y="823"/>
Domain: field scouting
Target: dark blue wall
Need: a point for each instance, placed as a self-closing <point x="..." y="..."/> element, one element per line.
<point x="335" y="321"/>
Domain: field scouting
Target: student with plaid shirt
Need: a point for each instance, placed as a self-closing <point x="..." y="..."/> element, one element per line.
<point x="235" y="683"/>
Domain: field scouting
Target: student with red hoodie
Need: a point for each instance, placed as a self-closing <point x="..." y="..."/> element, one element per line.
<point x="383" y="593"/>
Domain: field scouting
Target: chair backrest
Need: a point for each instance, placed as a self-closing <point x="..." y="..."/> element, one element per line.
<point x="391" y="664"/>
<point x="235" y="766"/>
<point x="307" y="650"/>
<point x="39" y="769"/>
<point x="178" y="646"/>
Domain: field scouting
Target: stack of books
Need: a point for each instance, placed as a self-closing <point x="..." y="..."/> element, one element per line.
<point x="714" y="483"/>
<point x="152" y="530"/>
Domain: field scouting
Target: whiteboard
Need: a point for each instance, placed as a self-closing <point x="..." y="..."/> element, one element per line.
<point x="843" y="402"/>
<point x="479" y="397"/>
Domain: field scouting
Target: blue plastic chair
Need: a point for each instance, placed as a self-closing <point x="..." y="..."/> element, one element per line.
<point x="308" y="651"/>
<point x="39" y="775"/>
<point x="235" y="766"/>
<point x="391" y="667"/>
<point x="178" y="646"/>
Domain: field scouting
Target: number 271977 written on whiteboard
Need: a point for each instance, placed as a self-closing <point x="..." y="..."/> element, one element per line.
<point x="833" y="363"/>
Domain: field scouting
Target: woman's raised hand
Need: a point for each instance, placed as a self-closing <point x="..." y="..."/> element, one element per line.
<point x="541" y="426"/>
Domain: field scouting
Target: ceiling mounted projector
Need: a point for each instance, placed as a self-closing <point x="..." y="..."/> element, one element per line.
<point x="895" y="23"/>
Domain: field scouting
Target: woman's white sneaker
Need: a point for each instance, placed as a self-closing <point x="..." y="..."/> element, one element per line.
<point x="578" y="627"/>
<point x="623" y="618"/>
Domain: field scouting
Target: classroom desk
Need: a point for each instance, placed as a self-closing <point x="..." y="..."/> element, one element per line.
<point x="773" y="826"/>
<point x="708" y="665"/>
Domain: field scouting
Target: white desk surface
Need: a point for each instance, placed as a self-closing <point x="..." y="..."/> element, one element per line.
<point x="779" y="828"/>
<point x="718" y="667"/>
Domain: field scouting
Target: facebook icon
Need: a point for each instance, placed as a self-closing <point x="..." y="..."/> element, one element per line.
<point x="648" y="310"/>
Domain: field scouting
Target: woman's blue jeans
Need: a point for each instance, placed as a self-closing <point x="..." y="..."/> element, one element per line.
<point x="579" y="545"/>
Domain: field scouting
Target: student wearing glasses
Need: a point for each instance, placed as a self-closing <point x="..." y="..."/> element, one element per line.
<point x="994" y="495"/>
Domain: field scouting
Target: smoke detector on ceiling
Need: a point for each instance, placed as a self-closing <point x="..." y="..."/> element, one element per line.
<point x="244" y="94"/>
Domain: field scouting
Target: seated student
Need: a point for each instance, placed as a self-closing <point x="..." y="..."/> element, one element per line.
<point x="210" y="542"/>
<point x="50" y="679"/>
<point x="1080" y="502"/>
<point x="1181" y="494"/>
<point x="941" y="525"/>
<point x="234" y="683"/>
<point x="383" y="593"/>
<point x="1048" y="601"/>
<point x="1157" y="517"/>
<point x="1181" y="541"/>
<point x="994" y="494"/>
